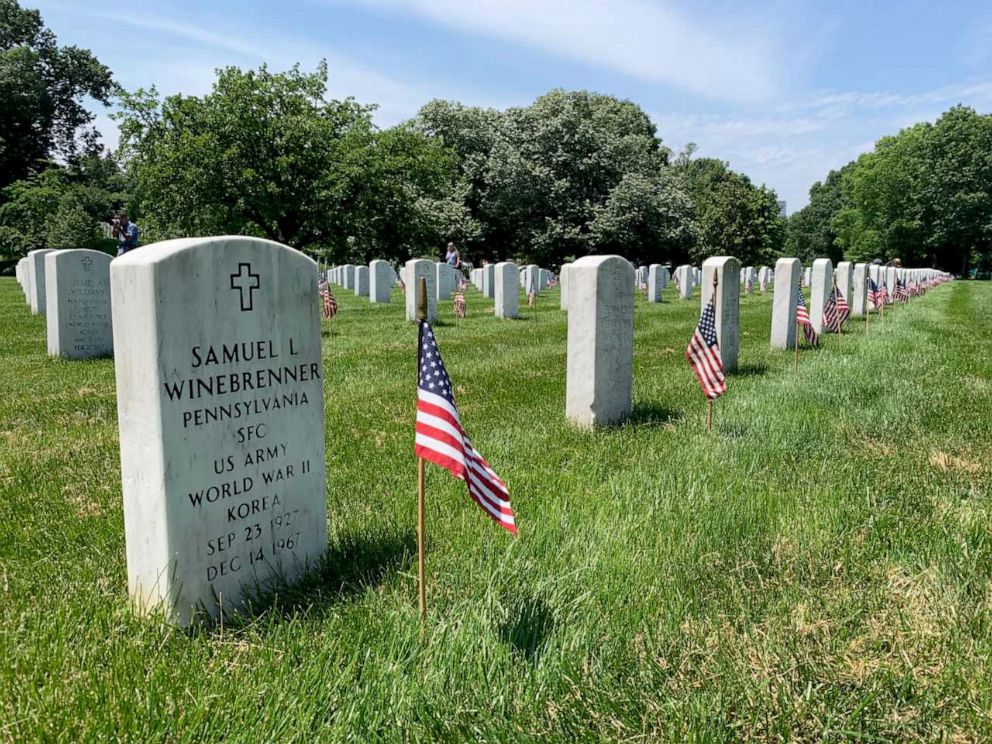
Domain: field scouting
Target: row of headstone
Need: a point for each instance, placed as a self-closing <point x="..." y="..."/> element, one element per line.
<point x="601" y="313"/>
<point x="71" y="288"/>
<point x="220" y="394"/>
<point x="850" y="279"/>
<point x="374" y="281"/>
<point x="601" y="329"/>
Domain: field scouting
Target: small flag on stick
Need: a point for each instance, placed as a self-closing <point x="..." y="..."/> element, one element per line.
<point x="441" y="439"/>
<point x="460" y="306"/>
<point x="703" y="354"/>
<point x="835" y="311"/>
<point x="330" y="305"/>
<point x="802" y="319"/>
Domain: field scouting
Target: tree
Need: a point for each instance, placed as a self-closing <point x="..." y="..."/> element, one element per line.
<point x="60" y="206"/>
<point x="810" y="232"/>
<point x="647" y="220"/>
<point x="551" y="180"/>
<point x="734" y="217"/>
<point x="923" y="195"/>
<point x="268" y="154"/>
<point x="42" y="86"/>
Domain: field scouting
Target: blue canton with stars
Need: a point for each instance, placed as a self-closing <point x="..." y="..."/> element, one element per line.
<point x="433" y="376"/>
<point x="707" y="325"/>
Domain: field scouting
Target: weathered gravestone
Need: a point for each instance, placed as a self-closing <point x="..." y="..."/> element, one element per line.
<point x="532" y="279"/>
<point x="221" y="413"/>
<point x="749" y="278"/>
<point x="876" y="273"/>
<point x="415" y="269"/>
<point x="787" y="274"/>
<point x="348" y="276"/>
<point x="727" y="305"/>
<point x="507" y="295"/>
<point x="684" y="276"/>
<point x="563" y="283"/>
<point x="361" y="281"/>
<point x="36" y="281"/>
<point x="890" y="281"/>
<point x="77" y="304"/>
<point x="844" y="279"/>
<point x="599" y="379"/>
<point x="859" y="290"/>
<point x="821" y="283"/>
<point x="444" y="280"/>
<point x="488" y="281"/>
<point x="381" y="281"/>
<point x="657" y="278"/>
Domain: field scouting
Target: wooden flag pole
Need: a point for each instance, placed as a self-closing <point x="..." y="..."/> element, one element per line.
<point x="795" y="360"/>
<point x="421" y="486"/>
<point x="709" y="406"/>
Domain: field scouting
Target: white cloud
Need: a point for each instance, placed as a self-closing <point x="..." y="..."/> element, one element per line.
<point x="724" y="56"/>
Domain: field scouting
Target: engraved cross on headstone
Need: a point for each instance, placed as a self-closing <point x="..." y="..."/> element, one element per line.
<point x="245" y="281"/>
<point x="87" y="263"/>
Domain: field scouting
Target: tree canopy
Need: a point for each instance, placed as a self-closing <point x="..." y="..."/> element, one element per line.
<point x="268" y="154"/>
<point x="923" y="195"/>
<point x="42" y="87"/>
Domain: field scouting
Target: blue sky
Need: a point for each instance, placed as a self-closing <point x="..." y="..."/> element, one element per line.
<point x="784" y="91"/>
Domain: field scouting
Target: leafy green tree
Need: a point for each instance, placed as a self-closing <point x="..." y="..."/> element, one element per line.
<point x="268" y="154"/>
<point x="42" y="88"/>
<point x="811" y="233"/>
<point x="647" y="220"/>
<point x="550" y="181"/>
<point x="734" y="217"/>
<point x="923" y="195"/>
<point x="60" y="206"/>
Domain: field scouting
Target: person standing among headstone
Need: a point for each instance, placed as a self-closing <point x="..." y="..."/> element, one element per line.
<point x="452" y="257"/>
<point x="126" y="233"/>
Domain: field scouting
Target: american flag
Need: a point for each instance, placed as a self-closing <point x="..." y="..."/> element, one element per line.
<point x="462" y="283"/>
<point x="460" y="306"/>
<point x="327" y="298"/>
<point x="883" y="294"/>
<point x="531" y="298"/>
<point x="835" y="311"/>
<point x="441" y="439"/>
<point x="902" y="294"/>
<point x="874" y="296"/>
<point x="749" y="283"/>
<point x="703" y="354"/>
<point x="802" y="318"/>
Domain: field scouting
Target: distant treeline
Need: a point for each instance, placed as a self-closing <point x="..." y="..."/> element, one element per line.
<point x="268" y="154"/>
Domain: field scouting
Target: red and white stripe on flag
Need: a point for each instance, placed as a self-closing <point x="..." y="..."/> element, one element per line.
<point x="441" y="439"/>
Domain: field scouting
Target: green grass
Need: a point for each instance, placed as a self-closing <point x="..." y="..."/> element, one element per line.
<point x="819" y="567"/>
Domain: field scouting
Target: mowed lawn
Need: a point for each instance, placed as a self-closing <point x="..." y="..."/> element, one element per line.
<point x="817" y="567"/>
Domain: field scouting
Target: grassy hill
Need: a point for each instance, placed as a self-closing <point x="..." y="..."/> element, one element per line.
<point x="820" y="566"/>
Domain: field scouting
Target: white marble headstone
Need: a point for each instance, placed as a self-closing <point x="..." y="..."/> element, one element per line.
<point x="788" y="272"/>
<point x="36" y="281"/>
<point x="415" y="269"/>
<point x="221" y="412"/>
<point x="507" y="290"/>
<point x="381" y="281"/>
<point x="727" y="305"/>
<point x="599" y="378"/>
<point x="77" y="300"/>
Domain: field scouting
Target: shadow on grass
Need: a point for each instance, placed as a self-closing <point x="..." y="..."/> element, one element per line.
<point x="528" y="627"/>
<point x="651" y="414"/>
<point x="749" y="370"/>
<point x="354" y="564"/>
